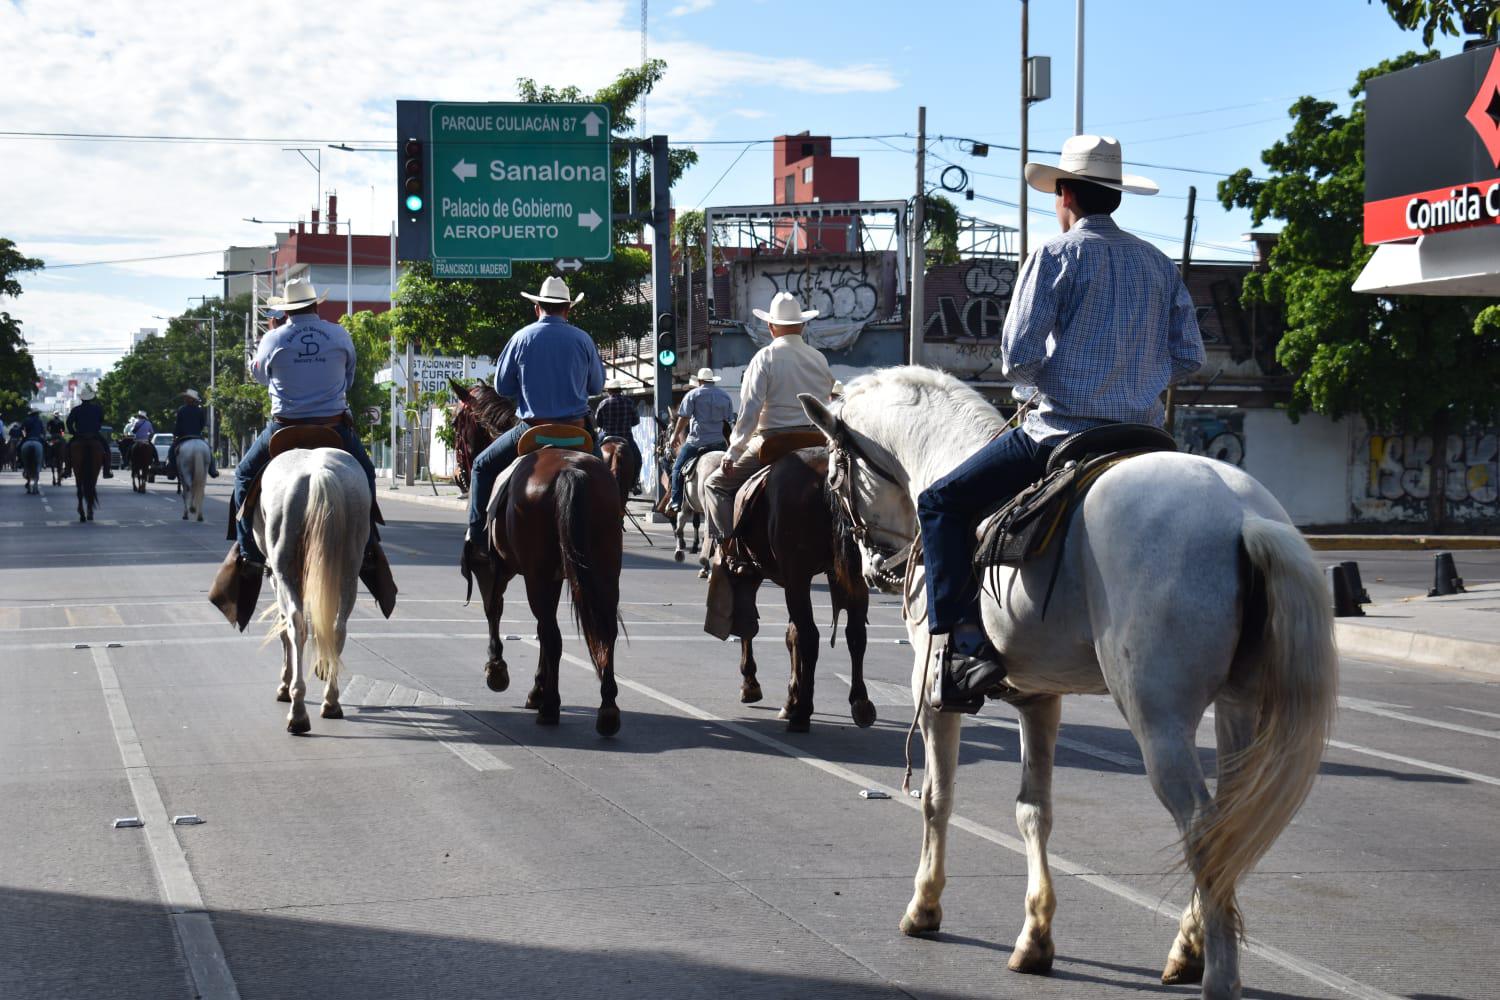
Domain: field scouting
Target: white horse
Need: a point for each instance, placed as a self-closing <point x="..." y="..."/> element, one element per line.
<point x="192" y="475"/>
<point x="312" y="522"/>
<point x="694" y="507"/>
<point x="1182" y="584"/>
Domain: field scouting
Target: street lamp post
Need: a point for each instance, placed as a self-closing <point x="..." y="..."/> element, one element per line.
<point x="213" y="331"/>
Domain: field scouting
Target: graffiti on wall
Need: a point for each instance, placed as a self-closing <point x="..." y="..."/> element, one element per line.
<point x="1213" y="433"/>
<point x="1399" y="475"/>
<point x="846" y="288"/>
<point x="968" y="300"/>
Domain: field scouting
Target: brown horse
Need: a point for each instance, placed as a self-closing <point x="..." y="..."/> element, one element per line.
<point x="620" y="458"/>
<point x="557" y="521"/>
<point x="88" y="456"/>
<point x="138" y="456"/>
<point x="790" y="534"/>
<point x="57" y="459"/>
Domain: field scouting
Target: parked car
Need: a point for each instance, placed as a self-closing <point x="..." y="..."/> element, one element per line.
<point x="116" y="460"/>
<point x="163" y="444"/>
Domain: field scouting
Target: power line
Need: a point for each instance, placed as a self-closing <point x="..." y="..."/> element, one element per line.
<point x="136" y="260"/>
<point x="725" y="174"/>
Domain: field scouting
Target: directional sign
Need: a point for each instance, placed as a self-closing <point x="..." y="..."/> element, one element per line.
<point x="567" y="265"/>
<point x="518" y="182"/>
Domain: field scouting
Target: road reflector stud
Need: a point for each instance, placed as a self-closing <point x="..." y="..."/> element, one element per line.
<point x="512" y="638"/>
<point x="80" y="645"/>
<point x="873" y="793"/>
<point x="113" y="645"/>
<point x="187" y="819"/>
<point x="127" y="822"/>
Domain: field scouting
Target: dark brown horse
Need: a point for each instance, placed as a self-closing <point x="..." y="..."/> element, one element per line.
<point x="137" y="456"/>
<point x="557" y="522"/>
<point x="88" y="456"/>
<point x="57" y="458"/>
<point x="790" y="535"/>
<point x="623" y="465"/>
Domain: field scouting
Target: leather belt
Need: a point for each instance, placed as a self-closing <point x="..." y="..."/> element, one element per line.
<point x="331" y="421"/>
<point x="540" y="421"/>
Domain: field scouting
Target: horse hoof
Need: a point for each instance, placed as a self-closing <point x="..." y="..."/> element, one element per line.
<point x="703" y="574"/>
<point x="184" y="515"/>
<point x="299" y="726"/>
<point x="863" y="713"/>
<point x="496" y="676"/>
<point x="679" y="555"/>
<point x="91" y="516"/>
<point x="534" y="698"/>
<point x="200" y="516"/>
<point x="1034" y="960"/>
<point x="608" y="722"/>
<point x="548" y="717"/>
<point x="283" y="693"/>
<point x="750" y="693"/>
<point x="1182" y="971"/>
<point x="916" y="922"/>
<point x="798" y="725"/>
<point x="334" y="711"/>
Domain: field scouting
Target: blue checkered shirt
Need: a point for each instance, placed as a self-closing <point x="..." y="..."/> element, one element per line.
<point x="1100" y="324"/>
<point x="617" y="416"/>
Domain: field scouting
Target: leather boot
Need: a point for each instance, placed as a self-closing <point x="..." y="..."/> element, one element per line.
<point x="377" y="578"/>
<point x="236" y="588"/>
<point x="964" y="678"/>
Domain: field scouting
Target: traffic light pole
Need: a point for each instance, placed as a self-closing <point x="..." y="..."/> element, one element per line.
<point x="662" y="319"/>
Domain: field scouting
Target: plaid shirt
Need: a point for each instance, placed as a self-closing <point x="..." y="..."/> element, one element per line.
<point x="616" y="416"/>
<point x="1100" y="325"/>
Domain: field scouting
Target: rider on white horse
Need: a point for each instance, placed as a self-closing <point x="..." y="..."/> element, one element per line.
<point x="190" y="422"/>
<point x="1099" y="325"/>
<point x="701" y="419"/>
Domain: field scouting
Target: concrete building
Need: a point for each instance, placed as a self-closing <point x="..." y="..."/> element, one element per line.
<point x="142" y="335"/>
<point x="320" y="252"/>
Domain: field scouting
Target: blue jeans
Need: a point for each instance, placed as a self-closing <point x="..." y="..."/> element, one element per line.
<point x="258" y="456"/>
<point x="686" y="455"/>
<point x="950" y="509"/>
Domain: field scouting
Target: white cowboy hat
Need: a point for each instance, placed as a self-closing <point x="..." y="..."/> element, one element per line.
<point x="837" y="390"/>
<point x="705" y="376"/>
<point x="785" y="311"/>
<point x="142" y="414"/>
<point x="85" y="391"/>
<point x="1092" y="158"/>
<point x="299" y="293"/>
<point x="554" y="291"/>
<point x="612" y="383"/>
<point x="193" y="395"/>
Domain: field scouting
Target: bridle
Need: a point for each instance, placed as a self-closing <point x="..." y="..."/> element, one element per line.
<point x="843" y="452"/>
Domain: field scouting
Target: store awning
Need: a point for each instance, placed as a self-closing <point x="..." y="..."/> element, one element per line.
<point x="1465" y="262"/>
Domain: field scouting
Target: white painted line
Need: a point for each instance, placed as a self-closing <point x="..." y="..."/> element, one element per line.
<point x="1311" y="970"/>
<point x="1425" y="765"/>
<point x="200" y="945"/>
<point x="1475" y="711"/>
<point x="463" y="746"/>
<point x="1384" y="711"/>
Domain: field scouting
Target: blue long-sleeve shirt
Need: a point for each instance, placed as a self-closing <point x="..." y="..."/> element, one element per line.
<point x="191" y="419"/>
<point x="550" y="369"/>
<point x="1100" y="324"/>
<point x="32" y="428"/>
<point x="308" y="364"/>
<point x="86" y="419"/>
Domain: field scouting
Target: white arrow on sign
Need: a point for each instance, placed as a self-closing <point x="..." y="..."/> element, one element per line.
<point x="465" y="170"/>
<point x="591" y="219"/>
<point x="591" y="123"/>
<point x="568" y="264"/>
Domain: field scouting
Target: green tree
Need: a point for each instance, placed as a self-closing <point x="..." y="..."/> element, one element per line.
<point x="940" y="227"/>
<point x="18" y="375"/>
<point x="1419" y="363"/>
<point x="242" y="408"/>
<point x="1475" y="17"/>
<point x="478" y="317"/>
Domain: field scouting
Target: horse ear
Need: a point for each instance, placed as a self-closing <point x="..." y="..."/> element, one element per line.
<point x="459" y="389"/>
<point x="821" y="416"/>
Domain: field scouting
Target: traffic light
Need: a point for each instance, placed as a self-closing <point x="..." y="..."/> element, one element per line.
<point x="666" y="340"/>
<point x="414" y="184"/>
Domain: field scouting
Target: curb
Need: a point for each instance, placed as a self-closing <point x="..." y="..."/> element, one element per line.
<point x="1407" y="543"/>
<point x="445" y="502"/>
<point x="1418" y="649"/>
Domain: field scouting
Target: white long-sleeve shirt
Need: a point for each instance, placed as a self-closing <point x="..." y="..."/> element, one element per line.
<point x="778" y="373"/>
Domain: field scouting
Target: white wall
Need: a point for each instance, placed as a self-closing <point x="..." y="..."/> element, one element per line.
<point x="1305" y="465"/>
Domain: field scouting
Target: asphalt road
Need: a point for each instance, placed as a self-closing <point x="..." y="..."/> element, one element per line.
<point x="437" y="843"/>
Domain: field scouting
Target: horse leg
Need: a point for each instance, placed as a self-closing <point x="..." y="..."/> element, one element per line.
<point x="284" y="691"/>
<point x="492" y="596"/>
<point x="543" y="596"/>
<point x="1185" y="962"/>
<point x="677" y="529"/>
<point x="697" y="532"/>
<point x="331" y="707"/>
<point x="924" y="914"/>
<point x="1039" y="721"/>
<point x="856" y="637"/>
<point x="297" y="722"/>
<point x="802" y="644"/>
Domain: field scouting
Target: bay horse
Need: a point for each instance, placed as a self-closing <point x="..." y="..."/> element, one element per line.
<point x="31" y="464"/>
<point x="88" y="457"/>
<point x="1182" y="584"/>
<point x="554" y="519"/>
<point x="139" y="457"/>
<point x="192" y="475"/>
<point x="311" y="522"/>
<point x="789" y="535"/>
<point x="57" y="458"/>
<point x="623" y="466"/>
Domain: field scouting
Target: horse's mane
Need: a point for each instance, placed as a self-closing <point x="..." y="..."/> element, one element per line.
<point x="922" y="413"/>
<point x="494" y="412"/>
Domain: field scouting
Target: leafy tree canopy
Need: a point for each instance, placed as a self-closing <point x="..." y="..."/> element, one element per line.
<point x="1474" y="17"/>
<point x="18" y="376"/>
<point x="1414" y="362"/>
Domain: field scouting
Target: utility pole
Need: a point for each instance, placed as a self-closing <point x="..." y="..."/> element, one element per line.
<point x="392" y="411"/>
<point x="1187" y="264"/>
<point x="411" y="415"/>
<point x="1025" y="111"/>
<point x="919" y="244"/>
<point x="1078" y="71"/>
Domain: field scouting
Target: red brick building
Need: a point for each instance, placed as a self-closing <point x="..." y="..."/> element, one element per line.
<point x="806" y="171"/>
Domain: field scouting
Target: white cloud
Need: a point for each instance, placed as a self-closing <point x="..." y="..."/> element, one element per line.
<point x="751" y="113"/>
<point x="690" y="7"/>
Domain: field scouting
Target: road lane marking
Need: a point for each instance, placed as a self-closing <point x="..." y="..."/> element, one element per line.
<point x="1425" y="765"/>
<point x="184" y="901"/>
<point x="361" y="691"/>
<point x="1384" y="711"/>
<point x="1475" y="711"/>
<point x="1156" y="905"/>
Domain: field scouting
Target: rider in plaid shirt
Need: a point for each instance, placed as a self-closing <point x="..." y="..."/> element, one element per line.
<point x="617" y="417"/>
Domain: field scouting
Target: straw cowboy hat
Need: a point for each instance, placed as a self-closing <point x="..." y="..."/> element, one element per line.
<point x="86" y="391"/>
<point x="1092" y="158"/>
<point x="554" y="292"/>
<point x="785" y="311"/>
<point x="192" y="394"/>
<point x="142" y="414"/>
<point x="612" y="383"/>
<point x="837" y="390"/>
<point x="706" y="376"/>
<point x="299" y="293"/>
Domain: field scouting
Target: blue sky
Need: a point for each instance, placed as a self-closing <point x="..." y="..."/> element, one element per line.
<point x="1200" y="85"/>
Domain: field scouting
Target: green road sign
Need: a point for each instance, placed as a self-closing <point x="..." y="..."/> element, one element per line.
<point x="517" y="182"/>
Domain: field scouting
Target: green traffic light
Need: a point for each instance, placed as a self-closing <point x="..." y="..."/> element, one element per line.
<point x="414" y="203"/>
<point x="666" y="357"/>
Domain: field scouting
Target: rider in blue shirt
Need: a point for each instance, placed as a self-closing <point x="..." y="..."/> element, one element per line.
<point x="550" y="369"/>
<point x="32" y="428"/>
<point x="702" y="416"/>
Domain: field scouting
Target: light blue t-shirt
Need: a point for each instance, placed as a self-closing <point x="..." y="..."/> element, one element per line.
<point x="707" y="407"/>
<point x="308" y="364"/>
<point x="550" y="369"/>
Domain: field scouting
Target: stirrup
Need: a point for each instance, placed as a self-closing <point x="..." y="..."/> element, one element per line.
<point x="965" y="679"/>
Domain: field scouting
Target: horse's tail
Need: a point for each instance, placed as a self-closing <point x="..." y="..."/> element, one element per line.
<point x="596" y="593"/>
<point x="198" y="466"/>
<point x="325" y="544"/>
<point x="1296" y="690"/>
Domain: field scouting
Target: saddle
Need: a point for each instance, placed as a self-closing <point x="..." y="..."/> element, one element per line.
<point x="780" y="445"/>
<point x="752" y="492"/>
<point x="564" y="436"/>
<point x="1026" y="527"/>
<point x="294" y="438"/>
